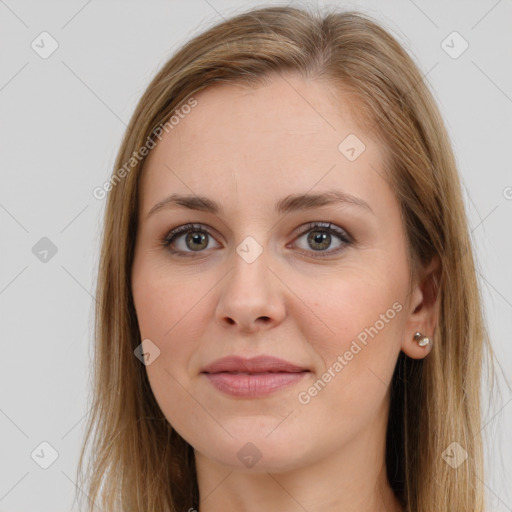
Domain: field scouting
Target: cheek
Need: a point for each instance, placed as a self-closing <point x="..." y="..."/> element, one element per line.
<point x="161" y="301"/>
<point x="364" y="319"/>
<point x="167" y="314"/>
<point x="343" y="309"/>
<point x="348" y="394"/>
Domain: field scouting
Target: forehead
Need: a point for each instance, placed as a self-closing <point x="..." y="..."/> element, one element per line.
<point x="267" y="119"/>
<point x="288" y="135"/>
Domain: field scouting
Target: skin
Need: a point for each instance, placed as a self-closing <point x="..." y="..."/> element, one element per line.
<point x="246" y="148"/>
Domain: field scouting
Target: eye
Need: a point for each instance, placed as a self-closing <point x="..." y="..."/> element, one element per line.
<point x="196" y="238"/>
<point x="320" y="238"/>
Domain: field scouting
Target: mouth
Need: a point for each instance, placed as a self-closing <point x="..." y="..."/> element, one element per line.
<point x="261" y="364"/>
<point x="258" y="376"/>
<point x="253" y="385"/>
<point x="253" y="373"/>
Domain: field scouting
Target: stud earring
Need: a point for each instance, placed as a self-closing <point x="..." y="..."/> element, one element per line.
<point x="422" y="340"/>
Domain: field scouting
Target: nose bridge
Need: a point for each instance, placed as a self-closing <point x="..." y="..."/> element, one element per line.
<point x="250" y="292"/>
<point x="250" y="261"/>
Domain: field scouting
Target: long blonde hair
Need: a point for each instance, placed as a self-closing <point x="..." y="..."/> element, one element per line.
<point x="138" y="462"/>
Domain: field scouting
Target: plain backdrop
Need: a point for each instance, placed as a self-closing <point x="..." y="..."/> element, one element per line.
<point x="61" y="123"/>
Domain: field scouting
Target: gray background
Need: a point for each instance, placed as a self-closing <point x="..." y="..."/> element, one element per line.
<point x="61" y="122"/>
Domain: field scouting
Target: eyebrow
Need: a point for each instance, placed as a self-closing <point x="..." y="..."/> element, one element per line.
<point x="291" y="203"/>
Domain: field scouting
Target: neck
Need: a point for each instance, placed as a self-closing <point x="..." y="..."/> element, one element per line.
<point x="293" y="492"/>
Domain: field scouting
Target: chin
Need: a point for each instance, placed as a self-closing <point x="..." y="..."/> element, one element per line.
<point x="255" y="452"/>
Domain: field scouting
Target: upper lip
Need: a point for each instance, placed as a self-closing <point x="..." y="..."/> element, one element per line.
<point x="259" y="364"/>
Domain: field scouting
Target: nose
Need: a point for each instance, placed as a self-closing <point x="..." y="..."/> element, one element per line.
<point x="251" y="297"/>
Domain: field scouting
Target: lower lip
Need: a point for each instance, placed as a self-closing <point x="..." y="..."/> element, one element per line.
<point x="252" y="386"/>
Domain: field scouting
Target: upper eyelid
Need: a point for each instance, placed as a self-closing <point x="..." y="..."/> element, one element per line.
<point x="320" y="224"/>
<point x="342" y="234"/>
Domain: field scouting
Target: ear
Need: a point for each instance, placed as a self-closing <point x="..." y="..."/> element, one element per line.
<point x="423" y="313"/>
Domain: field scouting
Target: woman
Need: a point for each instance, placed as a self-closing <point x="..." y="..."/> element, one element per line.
<point x="289" y="316"/>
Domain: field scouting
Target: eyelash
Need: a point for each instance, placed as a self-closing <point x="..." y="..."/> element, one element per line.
<point x="341" y="234"/>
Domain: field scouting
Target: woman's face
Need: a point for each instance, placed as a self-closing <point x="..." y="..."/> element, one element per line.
<point x="254" y="278"/>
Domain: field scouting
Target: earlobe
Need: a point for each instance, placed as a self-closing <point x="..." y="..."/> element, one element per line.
<point x="419" y="346"/>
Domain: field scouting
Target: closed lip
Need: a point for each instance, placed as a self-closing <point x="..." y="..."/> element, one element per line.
<point x="258" y="364"/>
